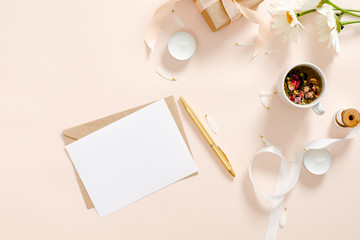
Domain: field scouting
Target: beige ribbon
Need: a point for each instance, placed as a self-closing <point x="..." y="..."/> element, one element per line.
<point x="263" y="31"/>
<point x="156" y="23"/>
<point x="233" y="9"/>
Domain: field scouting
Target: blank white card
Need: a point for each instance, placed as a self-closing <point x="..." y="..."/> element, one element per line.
<point x="131" y="158"/>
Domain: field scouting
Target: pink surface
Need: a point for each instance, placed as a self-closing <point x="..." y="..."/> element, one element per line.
<point x="64" y="63"/>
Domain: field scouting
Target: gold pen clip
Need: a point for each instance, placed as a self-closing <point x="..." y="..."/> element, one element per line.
<point x="231" y="170"/>
<point x="222" y="152"/>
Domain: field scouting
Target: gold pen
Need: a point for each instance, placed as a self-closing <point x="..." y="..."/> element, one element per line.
<point x="208" y="138"/>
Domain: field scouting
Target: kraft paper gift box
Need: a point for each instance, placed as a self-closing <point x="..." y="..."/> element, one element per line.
<point x="215" y="14"/>
<point x="75" y="133"/>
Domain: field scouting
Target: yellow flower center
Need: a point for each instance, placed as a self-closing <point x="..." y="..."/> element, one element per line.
<point x="289" y="17"/>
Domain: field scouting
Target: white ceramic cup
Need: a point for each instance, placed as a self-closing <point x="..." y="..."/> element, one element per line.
<point x="315" y="105"/>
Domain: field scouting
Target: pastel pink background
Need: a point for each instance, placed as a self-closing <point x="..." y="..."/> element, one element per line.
<point x="63" y="63"/>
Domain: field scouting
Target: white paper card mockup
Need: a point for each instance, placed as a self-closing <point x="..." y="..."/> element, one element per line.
<point x="131" y="158"/>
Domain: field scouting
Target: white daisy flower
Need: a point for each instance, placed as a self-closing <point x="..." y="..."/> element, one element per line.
<point x="285" y="21"/>
<point x="328" y="26"/>
<point x="304" y="5"/>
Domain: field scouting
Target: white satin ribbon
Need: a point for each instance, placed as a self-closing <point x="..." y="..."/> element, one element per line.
<point x="288" y="177"/>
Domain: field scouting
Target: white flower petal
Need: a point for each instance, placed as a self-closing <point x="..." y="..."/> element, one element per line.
<point x="165" y="74"/>
<point x="272" y="51"/>
<point x="177" y="19"/>
<point x="304" y="5"/>
<point x="211" y="123"/>
<point x="294" y="22"/>
<point x="265" y="102"/>
<point x="266" y="141"/>
<point x="244" y="44"/>
<point x="264" y="97"/>
<point x="283" y="218"/>
<point x="266" y="94"/>
<point x="327" y="26"/>
<point x="285" y="21"/>
<point x="288" y="35"/>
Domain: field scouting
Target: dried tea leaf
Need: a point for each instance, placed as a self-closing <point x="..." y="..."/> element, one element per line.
<point x="162" y="72"/>
<point x="211" y="123"/>
<point x="243" y="44"/>
<point x="283" y="218"/>
<point x="272" y="51"/>
<point x="177" y="19"/>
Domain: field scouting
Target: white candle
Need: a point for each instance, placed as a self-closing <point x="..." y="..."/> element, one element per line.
<point x="182" y="45"/>
<point x="318" y="161"/>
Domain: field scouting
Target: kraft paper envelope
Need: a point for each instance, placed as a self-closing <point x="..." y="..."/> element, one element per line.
<point x="75" y="133"/>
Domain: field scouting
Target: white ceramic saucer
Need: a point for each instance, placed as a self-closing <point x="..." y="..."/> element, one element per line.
<point x="318" y="161"/>
<point x="182" y="45"/>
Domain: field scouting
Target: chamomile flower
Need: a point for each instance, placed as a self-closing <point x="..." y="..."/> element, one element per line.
<point x="285" y="21"/>
<point x="328" y="26"/>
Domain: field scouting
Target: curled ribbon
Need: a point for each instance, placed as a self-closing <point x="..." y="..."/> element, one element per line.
<point x="251" y="15"/>
<point x="156" y="23"/>
<point x="288" y="177"/>
<point x="233" y="10"/>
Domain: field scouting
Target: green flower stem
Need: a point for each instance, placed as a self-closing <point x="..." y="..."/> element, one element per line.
<point x="305" y="12"/>
<point x="349" y="22"/>
<point x="340" y="9"/>
<point x="352" y="10"/>
<point x="340" y="15"/>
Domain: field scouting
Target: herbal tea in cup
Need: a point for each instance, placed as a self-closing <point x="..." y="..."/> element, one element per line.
<point x="303" y="86"/>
